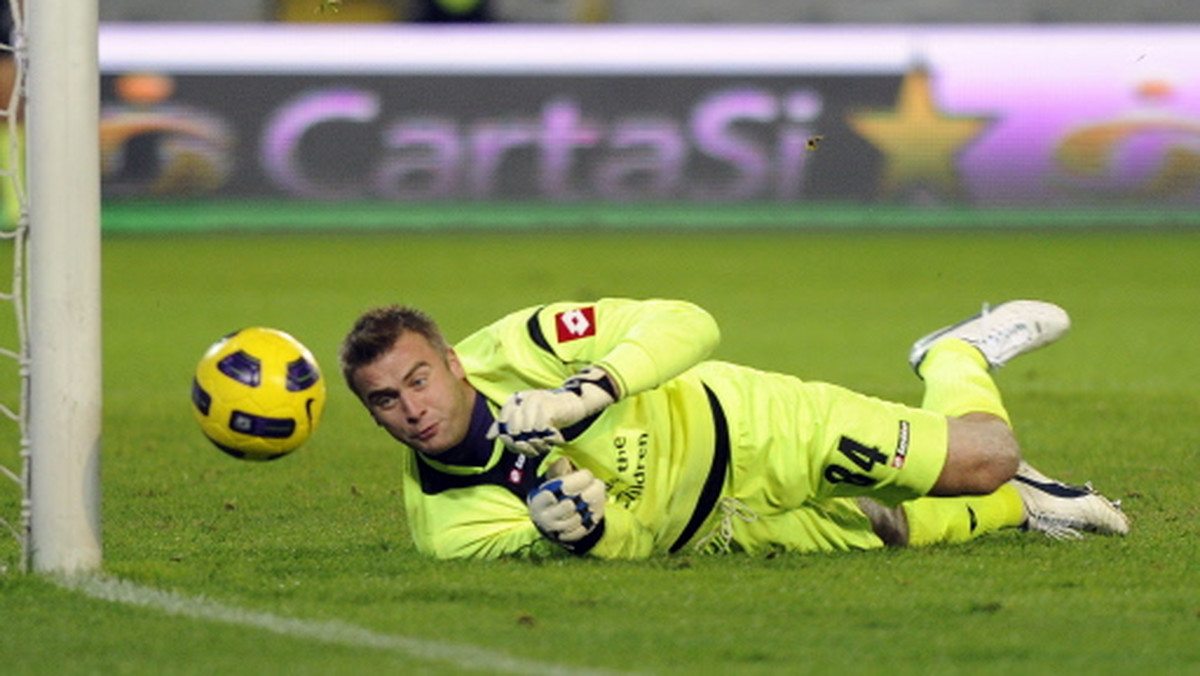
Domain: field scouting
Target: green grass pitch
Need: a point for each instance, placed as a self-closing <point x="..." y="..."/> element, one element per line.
<point x="311" y="551"/>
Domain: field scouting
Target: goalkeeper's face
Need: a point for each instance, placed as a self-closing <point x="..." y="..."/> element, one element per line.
<point x="419" y="395"/>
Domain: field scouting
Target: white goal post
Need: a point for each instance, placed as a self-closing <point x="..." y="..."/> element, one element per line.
<point x="63" y="344"/>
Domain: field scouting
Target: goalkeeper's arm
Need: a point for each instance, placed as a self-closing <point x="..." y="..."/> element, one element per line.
<point x="641" y="344"/>
<point x="531" y="421"/>
<point x="637" y="345"/>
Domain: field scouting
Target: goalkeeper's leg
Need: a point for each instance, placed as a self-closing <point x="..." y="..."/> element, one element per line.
<point x="954" y="361"/>
<point x="982" y="452"/>
<point x="958" y="385"/>
<point x="927" y="521"/>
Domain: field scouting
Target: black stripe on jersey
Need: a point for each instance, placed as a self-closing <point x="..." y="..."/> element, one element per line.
<point x="535" y="332"/>
<point x="516" y="473"/>
<point x="716" y="473"/>
<point x="572" y="432"/>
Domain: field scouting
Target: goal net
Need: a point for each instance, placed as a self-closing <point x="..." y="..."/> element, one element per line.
<point x="14" y="458"/>
<point x="50" y="296"/>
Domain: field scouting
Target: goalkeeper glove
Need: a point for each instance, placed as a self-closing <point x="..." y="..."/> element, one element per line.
<point x="531" y="421"/>
<point x="568" y="508"/>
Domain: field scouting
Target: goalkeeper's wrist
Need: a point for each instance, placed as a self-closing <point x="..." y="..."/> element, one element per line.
<point x="584" y="544"/>
<point x="602" y="379"/>
<point x="594" y="387"/>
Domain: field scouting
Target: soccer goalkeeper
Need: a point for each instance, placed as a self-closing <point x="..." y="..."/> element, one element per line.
<point x="600" y="429"/>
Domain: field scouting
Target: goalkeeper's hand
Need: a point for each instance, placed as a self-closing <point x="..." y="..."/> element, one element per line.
<point x="530" y="422"/>
<point x="568" y="508"/>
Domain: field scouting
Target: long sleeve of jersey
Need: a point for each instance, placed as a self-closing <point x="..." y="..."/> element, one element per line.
<point x="641" y="344"/>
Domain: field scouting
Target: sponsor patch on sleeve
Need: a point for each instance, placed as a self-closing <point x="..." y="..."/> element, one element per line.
<point x="901" y="453"/>
<point x="575" y="324"/>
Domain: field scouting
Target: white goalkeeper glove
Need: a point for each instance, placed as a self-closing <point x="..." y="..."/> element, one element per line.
<point x="568" y="508"/>
<point x="531" y="421"/>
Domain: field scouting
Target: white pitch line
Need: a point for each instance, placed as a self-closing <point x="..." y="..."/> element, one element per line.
<point x="329" y="631"/>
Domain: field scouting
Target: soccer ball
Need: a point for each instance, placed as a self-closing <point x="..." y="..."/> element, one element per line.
<point x="258" y="394"/>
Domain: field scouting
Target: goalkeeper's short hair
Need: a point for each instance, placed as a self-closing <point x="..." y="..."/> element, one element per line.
<point x="378" y="329"/>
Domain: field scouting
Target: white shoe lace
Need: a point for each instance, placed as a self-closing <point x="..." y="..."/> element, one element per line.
<point x="1001" y="344"/>
<point x="719" y="541"/>
<point x="1053" y="530"/>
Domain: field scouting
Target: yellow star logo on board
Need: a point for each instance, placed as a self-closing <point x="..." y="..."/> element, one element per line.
<point x="920" y="142"/>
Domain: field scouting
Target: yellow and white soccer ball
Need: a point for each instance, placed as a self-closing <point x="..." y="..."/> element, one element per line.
<point x="258" y="394"/>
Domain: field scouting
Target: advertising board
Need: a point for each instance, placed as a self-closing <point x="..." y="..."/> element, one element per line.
<point x="966" y="116"/>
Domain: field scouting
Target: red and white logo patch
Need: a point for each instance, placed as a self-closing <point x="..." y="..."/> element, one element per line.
<point x="576" y="324"/>
<point x="517" y="473"/>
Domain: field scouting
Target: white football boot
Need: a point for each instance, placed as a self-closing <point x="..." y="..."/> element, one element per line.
<point x="1001" y="332"/>
<point x="1062" y="511"/>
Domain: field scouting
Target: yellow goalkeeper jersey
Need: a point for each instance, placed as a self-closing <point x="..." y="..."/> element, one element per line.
<point x="661" y="450"/>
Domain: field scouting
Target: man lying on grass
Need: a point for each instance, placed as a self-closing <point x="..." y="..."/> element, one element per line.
<point x="600" y="429"/>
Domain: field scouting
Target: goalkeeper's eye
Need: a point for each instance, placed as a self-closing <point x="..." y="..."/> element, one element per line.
<point x="384" y="399"/>
<point x="418" y="379"/>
